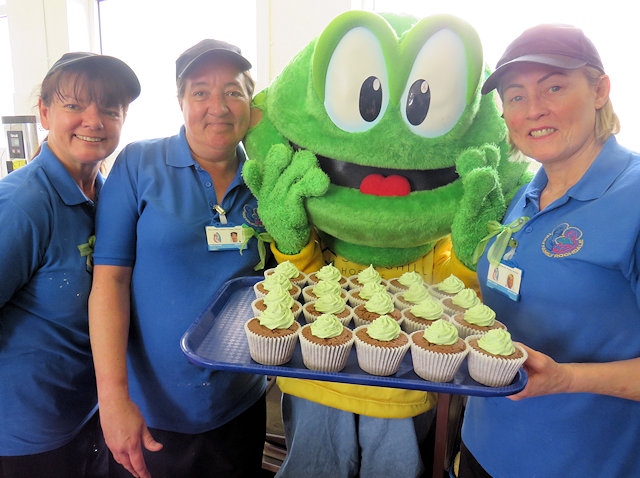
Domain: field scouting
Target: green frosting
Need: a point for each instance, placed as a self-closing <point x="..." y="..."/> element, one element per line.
<point x="466" y="298"/>
<point x="287" y="269"/>
<point x="369" y="275"/>
<point x="370" y="288"/>
<point x="277" y="316"/>
<point x="278" y="295"/>
<point x="441" y="332"/>
<point x="416" y="293"/>
<point x="326" y="287"/>
<point x="481" y="315"/>
<point x="497" y="342"/>
<point x="409" y="278"/>
<point x="384" y="328"/>
<point x="330" y="304"/>
<point x="429" y="309"/>
<point x="329" y="273"/>
<point x="276" y="279"/>
<point x="380" y="303"/>
<point x="326" y="326"/>
<point x="451" y="285"/>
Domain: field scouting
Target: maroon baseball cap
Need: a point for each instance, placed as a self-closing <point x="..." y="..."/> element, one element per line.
<point x="210" y="47"/>
<point x="562" y="46"/>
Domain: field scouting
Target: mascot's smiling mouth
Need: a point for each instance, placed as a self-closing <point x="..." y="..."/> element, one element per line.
<point x="384" y="181"/>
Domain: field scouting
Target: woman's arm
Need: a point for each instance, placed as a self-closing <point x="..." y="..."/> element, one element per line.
<point x="124" y="428"/>
<point x="618" y="379"/>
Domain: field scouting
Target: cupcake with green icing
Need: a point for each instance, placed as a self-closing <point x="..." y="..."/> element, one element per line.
<point x="493" y="358"/>
<point x="380" y="346"/>
<point x="276" y="279"/>
<point x="323" y="287"/>
<point x="334" y="304"/>
<point x="290" y="271"/>
<point x="406" y="280"/>
<point x="273" y="335"/>
<point x="380" y="303"/>
<point x="361" y="295"/>
<point x="447" y="288"/>
<point x="422" y="315"/>
<point x="415" y="294"/>
<point x="365" y="276"/>
<point x="329" y="273"/>
<point x="325" y="344"/>
<point x="478" y="319"/>
<point x="437" y="351"/>
<point x="277" y="295"/>
<point x="461" y="302"/>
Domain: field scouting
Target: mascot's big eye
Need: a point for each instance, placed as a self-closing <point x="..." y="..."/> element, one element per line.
<point x="434" y="98"/>
<point x="356" y="88"/>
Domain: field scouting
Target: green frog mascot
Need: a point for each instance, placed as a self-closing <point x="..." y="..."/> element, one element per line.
<point x="374" y="147"/>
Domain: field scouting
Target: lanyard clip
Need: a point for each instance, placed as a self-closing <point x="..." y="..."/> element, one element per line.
<point x="223" y="218"/>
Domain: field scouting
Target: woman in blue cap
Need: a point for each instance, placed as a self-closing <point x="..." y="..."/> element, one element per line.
<point x="49" y="423"/>
<point x="579" y="414"/>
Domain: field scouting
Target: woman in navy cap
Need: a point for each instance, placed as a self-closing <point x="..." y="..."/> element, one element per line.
<point x="158" y="266"/>
<point x="577" y="258"/>
<point x="49" y="424"/>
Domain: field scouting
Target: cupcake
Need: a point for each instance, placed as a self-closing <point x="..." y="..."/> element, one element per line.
<point x="447" y="288"/>
<point x="381" y="303"/>
<point x="410" y="297"/>
<point x="290" y="271"/>
<point x="363" y="294"/>
<point x="381" y="346"/>
<point x="366" y="275"/>
<point x="323" y="287"/>
<point x="276" y="295"/>
<point x="477" y="320"/>
<point x="329" y="273"/>
<point x="422" y="315"/>
<point x="272" y="337"/>
<point x="325" y="344"/>
<point x="461" y="302"/>
<point x="273" y="280"/>
<point x="402" y="283"/>
<point x="494" y="359"/>
<point x="437" y="352"/>
<point x="328" y="304"/>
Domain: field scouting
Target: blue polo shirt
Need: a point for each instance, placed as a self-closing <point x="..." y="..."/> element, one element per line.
<point x="153" y="211"/>
<point x="579" y="302"/>
<point x="47" y="389"/>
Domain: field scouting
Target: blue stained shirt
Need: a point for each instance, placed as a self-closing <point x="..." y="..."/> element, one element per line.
<point x="153" y="211"/>
<point x="47" y="389"/>
<point x="579" y="302"/>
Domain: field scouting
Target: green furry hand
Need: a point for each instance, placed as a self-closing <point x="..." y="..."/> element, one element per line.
<point x="482" y="201"/>
<point x="281" y="183"/>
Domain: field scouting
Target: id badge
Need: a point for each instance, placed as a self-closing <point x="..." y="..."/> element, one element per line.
<point x="506" y="280"/>
<point x="224" y="238"/>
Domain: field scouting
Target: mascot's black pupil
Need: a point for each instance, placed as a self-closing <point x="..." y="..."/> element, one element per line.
<point x="370" y="99"/>
<point x="418" y="102"/>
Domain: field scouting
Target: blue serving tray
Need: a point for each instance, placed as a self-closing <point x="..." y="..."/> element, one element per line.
<point x="217" y="340"/>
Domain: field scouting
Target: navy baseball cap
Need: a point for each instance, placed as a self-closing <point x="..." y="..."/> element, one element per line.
<point x="210" y="47"/>
<point x="562" y="46"/>
<point x="114" y="64"/>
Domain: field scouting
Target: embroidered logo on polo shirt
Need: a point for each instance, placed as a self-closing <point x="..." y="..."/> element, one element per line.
<point x="250" y="215"/>
<point x="563" y="241"/>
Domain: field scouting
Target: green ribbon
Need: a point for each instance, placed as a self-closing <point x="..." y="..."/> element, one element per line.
<point x="262" y="237"/>
<point x="498" y="248"/>
<point x="86" y="250"/>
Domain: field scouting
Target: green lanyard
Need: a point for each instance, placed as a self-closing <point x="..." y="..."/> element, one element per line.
<point x="498" y="248"/>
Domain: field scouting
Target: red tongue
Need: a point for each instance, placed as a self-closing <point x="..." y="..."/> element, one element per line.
<point x="378" y="185"/>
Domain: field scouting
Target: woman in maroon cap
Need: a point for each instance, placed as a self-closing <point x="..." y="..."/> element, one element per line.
<point x="576" y="299"/>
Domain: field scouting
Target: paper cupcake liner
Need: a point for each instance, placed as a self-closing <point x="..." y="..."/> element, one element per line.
<point x="434" y="366"/>
<point x="492" y="371"/>
<point x="383" y="361"/>
<point x="271" y="350"/>
<point x="309" y="317"/>
<point x="464" y="331"/>
<point x="354" y="301"/>
<point x="448" y="310"/>
<point x="301" y="281"/>
<point x="394" y="289"/>
<point x="410" y="326"/>
<point x="322" y="357"/>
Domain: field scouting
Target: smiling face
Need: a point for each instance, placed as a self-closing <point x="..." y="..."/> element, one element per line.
<point x="216" y="108"/>
<point x="551" y="112"/>
<point x="80" y="129"/>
